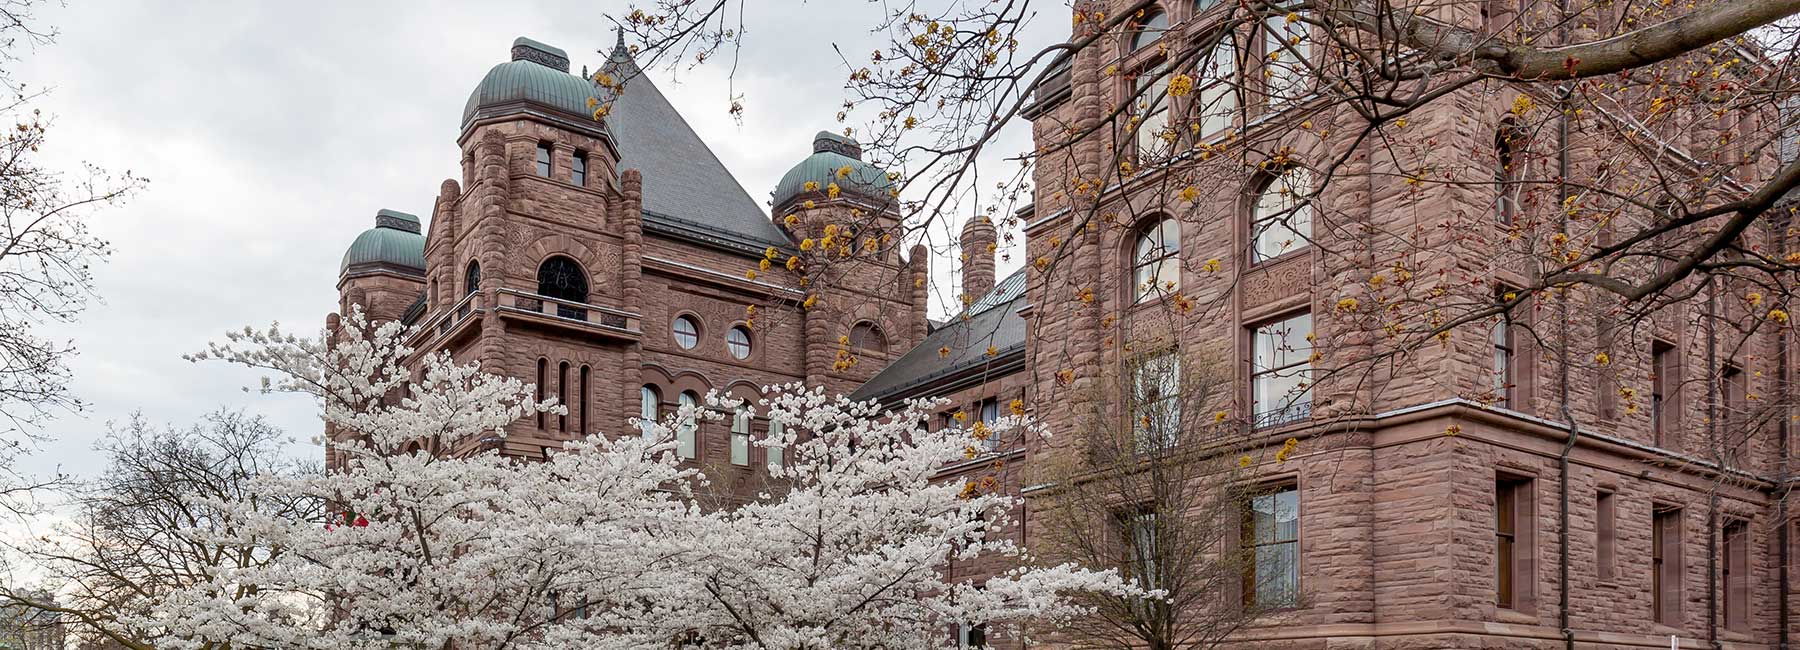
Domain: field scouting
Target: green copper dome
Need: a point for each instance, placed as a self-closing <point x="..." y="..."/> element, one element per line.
<point x="536" y="77"/>
<point x="394" y="241"/>
<point x="831" y="154"/>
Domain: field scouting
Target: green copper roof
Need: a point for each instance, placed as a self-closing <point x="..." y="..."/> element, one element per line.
<point x="394" y="241"/>
<point x="831" y="154"/>
<point x="538" y="74"/>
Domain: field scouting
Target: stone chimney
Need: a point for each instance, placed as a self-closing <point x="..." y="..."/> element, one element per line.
<point x="978" y="240"/>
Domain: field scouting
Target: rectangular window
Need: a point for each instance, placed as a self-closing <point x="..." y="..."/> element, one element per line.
<point x="562" y="395"/>
<point x="1605" y="536"/>
<point x="1665" y="566"/>
<point x="1735" y="575"/>
<point x="972" y="636"/>
<point x="685" y="444"/>
<point x="543" y="374"/>
<point x="578" y="169"/>
<point x="989" y="412"/>
<point x="740" y="437"/>
<point x="1140" y="534"/>
<point x="1151" y="113"/>
<point x="1606" y="386"/>
<point x="775" y="452"/>
<point x="1513" y="566"/>
<point x="1286" y="48"/>
<point x="1272" y="524"/>
<point x="582" y="401"/>
<point x="1733" y="386"/>
<point x="1281" y="371"/>
<point x="1664" y="378"/>
<point x="1216" y="100"/>
<point x="1155" y="401"/>
<point x="543" y="159"/>
<point x="1504" y="380"/>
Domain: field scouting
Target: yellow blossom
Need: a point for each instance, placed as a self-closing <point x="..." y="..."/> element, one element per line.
<point x="810" y="301"/>
<point x="750" y="274"/>
<point x="843" y="172"/>
<point x="1065" y="376"/>
<point x="808" y="204"/>
<point x="962" y="416"/>
<point x="1754" y="298"/>
<point x="1190" y="194"/>
<point x="831" y="191"/>
<point x="1453" y="430"/>
<point x="1244" y="461"/>
<point x="793" y="263"/>
<point x="1347" y="304"/>
<point x="1219" y="416"/>
<point x="1017" y="407"/>
<point x="812" y="186"/>
<point x="1602" y="358"/>
<point x="1211" y="266"/>
<point x="763" y="265"/>
<point x="993" y="351"/>
<point x="791" y="219"/>
<point x="1778" y="315"/>
<point x="1180" y="85"/>
<point x="806" y="244"/>
<point x="944" y="352"/>
<point x="1124" y="168"/>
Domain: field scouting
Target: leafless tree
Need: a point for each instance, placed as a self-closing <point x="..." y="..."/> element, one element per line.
<point x="128" y="540"/>
<point x="1176" y="506"/>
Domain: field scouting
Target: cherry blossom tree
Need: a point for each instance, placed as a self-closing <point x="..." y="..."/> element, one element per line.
<point x="605" y="543"/>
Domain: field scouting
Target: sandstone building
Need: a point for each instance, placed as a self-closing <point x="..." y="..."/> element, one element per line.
<point x="605" y="261"/>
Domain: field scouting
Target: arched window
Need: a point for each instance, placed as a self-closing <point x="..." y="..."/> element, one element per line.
<point x="582" y="402"/>
<point x="737" y="340"/>
<point x="649" y="403"/>
<point x="562" y="278"/>
<point x="685" y="445"/>
<point x="543" y="371"/>
<point x="1156" y="260"/>
<point x="562" y="395"/>
<point x="1282" y="222"/>
<point x="1509" y="170"/>
<point x="1149" y="29"/>
<point x="687" y="332"/>
<point x="867" y="336"/>
<point x="543" y="159"/>
<point x="472" y="278"/>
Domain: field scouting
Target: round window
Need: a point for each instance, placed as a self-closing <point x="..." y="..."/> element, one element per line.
<point x="738" y="341"/>
<point x="687" y="332"/>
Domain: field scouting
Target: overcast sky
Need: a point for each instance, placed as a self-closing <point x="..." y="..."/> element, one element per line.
<point x="272" y="132"/>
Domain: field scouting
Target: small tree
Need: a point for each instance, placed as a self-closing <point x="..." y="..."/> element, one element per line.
<point x="1159" y="483"/>
<point x="124" y="550"/>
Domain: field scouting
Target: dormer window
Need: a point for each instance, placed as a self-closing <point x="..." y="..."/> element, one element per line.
<point x="578" y="171"/>
<point x="543" y="159"/>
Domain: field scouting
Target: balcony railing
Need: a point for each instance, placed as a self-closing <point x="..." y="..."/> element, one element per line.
<point x="566" y="310"/>
<point x="1284" y="415"/>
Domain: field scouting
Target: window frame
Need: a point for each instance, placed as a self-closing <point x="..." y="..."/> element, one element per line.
<point x="1665" y="382"/>
<point x="1253" y="542"/>
<point x="1154" y="233"/>
<point x="544" y="161"/>
<point x="1159" y="370"/>
<point x="1666" y="565"/>
<point x="775" y="454"/>
<point x="859" y="336"/>
<point x="732" y="345"/>
<point x="578" y="168"/>
<point x="471" y="277"/>
<point x="649" y="410"/>
<point x="741" y="419"/>
<point x="1201" y="110"/>
<point x="687" y="435"/>
<point x="685" y="340"/>
<point x="1292" y="407"/>
<point x="1510" y="164"/>
<point x="1515" y="564"/>
<point x="1292" y="215"/>
<point x="1296" y="71"/>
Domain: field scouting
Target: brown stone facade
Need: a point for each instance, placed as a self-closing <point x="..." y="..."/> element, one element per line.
<point x="1402" y="471"/>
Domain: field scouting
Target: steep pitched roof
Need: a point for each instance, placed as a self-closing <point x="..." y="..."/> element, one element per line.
<point x="993" y="320"/>
<point x="685" y="185"/>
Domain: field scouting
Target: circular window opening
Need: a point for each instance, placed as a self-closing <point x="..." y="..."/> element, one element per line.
<point x="687" y="332"/>
<point x="738" y="341"/>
